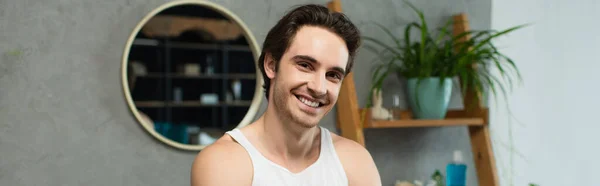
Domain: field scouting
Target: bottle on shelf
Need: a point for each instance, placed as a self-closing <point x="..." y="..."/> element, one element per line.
<point x="209" y="65"/>
<point x="456" y="171"/>
<point x="396" y="103"/>
<point x="229" y="97"/>
<point x="236" y="86"/>
<point x="177" y="94"/>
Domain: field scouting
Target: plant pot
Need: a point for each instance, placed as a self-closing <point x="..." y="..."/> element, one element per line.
<point x="429" y="99"/>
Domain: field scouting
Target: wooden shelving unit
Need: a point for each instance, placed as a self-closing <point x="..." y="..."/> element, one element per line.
<point x="351" y="124"/>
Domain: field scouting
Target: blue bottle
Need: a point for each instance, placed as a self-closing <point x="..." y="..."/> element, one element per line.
<point x="456" y="171"/>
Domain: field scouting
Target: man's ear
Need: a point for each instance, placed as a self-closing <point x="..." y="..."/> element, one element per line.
<point x="269" y="65"/>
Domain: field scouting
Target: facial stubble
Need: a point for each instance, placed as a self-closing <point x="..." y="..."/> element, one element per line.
<point x="284" y="110"/>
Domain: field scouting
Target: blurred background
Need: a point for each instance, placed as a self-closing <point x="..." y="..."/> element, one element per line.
<point x="115" y="93"/>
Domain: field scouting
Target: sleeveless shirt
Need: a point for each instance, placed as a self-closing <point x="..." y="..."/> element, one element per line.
<point x="326" y="171"/>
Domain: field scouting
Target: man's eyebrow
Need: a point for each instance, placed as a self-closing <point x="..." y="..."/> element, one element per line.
<point x="340" y="70"/>
<point x="305" y="57"/>
<point x="313" y="60"/>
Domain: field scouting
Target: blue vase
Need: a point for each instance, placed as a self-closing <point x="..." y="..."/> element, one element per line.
<point x="428" y="99"/>
<point x="178" y="133"/>
<point x="175" y="132"/>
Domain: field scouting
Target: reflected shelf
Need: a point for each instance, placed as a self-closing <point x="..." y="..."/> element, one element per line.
<point x="190" y="70"/>
<point x="147" y="104"/>
<point x="189" y="45"/>
<point x="203" y="76"/>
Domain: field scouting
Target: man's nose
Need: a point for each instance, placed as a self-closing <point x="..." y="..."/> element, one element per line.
<point x="317" y="85"/>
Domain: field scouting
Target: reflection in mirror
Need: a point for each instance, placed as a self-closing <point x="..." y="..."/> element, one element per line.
<point x="191" y="74"/>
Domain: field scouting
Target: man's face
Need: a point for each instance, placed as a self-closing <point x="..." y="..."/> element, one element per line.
<point x="306" y="86"/>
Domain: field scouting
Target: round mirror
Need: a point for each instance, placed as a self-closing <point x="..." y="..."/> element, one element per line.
<point x="189" y="73"/>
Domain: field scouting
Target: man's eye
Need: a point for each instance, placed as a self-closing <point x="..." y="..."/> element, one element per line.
<point x="304" y="65"/>
<point x="335" y="75"/>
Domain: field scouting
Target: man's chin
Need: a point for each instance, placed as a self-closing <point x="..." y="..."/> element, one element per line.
<point x="304" y="127"/>
<point x="308" y="125"/>
<point x="306" y="122"/>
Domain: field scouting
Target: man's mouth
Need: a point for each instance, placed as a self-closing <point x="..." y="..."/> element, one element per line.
<point x="307" y="102"/>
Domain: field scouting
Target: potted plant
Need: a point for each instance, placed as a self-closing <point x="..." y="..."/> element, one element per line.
<point x="430" y="63"/>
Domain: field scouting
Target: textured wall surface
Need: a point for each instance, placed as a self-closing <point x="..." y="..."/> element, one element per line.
<point x="554" y="113"/>
<point x="64" y="120"/>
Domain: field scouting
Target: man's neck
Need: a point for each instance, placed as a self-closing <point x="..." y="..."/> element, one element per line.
<point x="288" y="140"/>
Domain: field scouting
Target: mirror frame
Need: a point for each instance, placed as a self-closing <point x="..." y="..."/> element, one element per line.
<point x="258" y="94"/>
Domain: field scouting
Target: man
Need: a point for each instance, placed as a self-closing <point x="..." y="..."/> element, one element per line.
<point x="304" y="59"/>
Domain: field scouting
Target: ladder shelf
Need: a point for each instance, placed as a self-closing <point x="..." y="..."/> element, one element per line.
<point x="349" y="120"/>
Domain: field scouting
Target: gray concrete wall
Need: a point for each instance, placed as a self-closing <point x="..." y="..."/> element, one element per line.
<point x="64" y="120"/>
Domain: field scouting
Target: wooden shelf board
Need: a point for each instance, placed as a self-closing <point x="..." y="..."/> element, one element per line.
<point x="453" y="118"/>
<point x="424" y="123"/>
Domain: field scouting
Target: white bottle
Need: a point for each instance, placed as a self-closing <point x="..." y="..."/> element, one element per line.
<point x="209" y="66"/>
<point x="237" y="89"/>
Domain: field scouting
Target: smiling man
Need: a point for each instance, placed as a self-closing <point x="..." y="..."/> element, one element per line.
<point x="304" y="60"/>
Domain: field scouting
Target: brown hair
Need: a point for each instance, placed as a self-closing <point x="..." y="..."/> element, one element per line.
<point x="281" y="35"/>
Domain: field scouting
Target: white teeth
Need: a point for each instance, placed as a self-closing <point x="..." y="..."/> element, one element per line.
<point x="309" y="103"/>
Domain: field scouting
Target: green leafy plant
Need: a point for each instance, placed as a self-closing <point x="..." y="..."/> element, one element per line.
<point x="468" y="56"/>
<point x="438" y="178"/>
<point x="443" y="55"/>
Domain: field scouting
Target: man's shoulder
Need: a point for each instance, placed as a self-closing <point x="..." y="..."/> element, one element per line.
<point x="224" y="162"/>
<point x="357" y="162"/>
<point x="344" y="146"/>
<point x="223" y="147"/>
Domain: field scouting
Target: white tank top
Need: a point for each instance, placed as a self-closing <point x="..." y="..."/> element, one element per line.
<point x="326" y="171"/>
